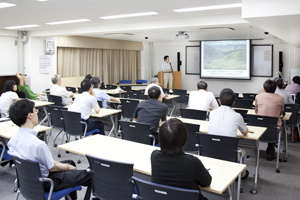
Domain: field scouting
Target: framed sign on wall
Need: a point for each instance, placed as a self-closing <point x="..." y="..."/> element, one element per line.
<point x="262" y="60"/>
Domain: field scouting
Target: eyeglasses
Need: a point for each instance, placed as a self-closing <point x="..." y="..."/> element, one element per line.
<point x="36" y="110"/>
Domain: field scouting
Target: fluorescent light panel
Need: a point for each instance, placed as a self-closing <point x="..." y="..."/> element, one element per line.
<point x="68" y="21"/>
<point x="237" y="5"/>
<point x="6" y="5"/>
<point x="23" y="26"/>
<point x="129" y="15"/>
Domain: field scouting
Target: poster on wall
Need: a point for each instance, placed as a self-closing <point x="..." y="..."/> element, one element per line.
<point x="45" y="64"/>
<point x="192" y="61"/>
<point x="262" y="60"/>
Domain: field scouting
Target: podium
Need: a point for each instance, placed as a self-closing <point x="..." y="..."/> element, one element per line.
<point x="176" y="79"/>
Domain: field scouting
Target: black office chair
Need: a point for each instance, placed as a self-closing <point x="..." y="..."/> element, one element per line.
<point x="73" y="127"/>
<point x="100" y="104"/>
<point x="111" y="179"/>
<point x="56" y="120"/>
<point x="243" y="113"/>
<point x="294" y="109"/>
<point x="271" y="135"/>
<point x="71" y="89"/>
<point x="249" y="96"/>
<point x="128" y="107"/>
<point x="134" y="95"/>
<point x="220" y="147"/>
<point x="183" y="99"/>
<point x="149" y="191"/>
<point x="241" y="103"/>
<point x="192" y="144"/>
<point x="236" y="95"/>
<point x="143" y="96"/>
<point x="57" y="100"/>
<point x="102" y="86"/>
<point x="5" y="158"/>
<point x="79" y="90"/>
<point x="126" y="88"/>
<point x="136" y="132"/>
<point x="193" y="114"/>
<point x="111" y="87"/>
<point x="30" y="182"/>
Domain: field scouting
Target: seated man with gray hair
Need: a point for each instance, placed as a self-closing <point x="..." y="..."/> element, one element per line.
<point x="57" y="90"/>
<point x="100" y="94"/>
<point x="154" y="82"/>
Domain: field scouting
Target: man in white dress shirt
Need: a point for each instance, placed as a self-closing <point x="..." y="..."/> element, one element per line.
<point x="154" y="82"/>
<point x="57" y="90"/>
<point x="167" y="69"/>
<point x="85" y="103"/>
<point x="202" y="99"/>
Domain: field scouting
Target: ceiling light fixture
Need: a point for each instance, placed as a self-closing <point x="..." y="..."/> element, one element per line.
<point x="68" y="21"/>
<point x="23" y="26"/>
<point x="237" y="5"/>
<point x="129" y="15"/>
<point x="6" y="5"/>
<point x="181" y="35"/>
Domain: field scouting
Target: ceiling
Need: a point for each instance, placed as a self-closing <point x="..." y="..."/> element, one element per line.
<point x="157" y="28"/>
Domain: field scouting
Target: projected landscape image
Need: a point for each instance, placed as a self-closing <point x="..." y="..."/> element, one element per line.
<point x="225" y="55"/>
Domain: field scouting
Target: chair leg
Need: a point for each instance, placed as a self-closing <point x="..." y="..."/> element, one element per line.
<point x="278" y="153"/>
<point x="54" y="144"/>
<point x="17" y="195"/>
<point x="79" y="161"/>
<point x="62" y="140"/>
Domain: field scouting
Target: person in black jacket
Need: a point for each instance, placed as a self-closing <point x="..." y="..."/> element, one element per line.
<point x="171" y="166"/>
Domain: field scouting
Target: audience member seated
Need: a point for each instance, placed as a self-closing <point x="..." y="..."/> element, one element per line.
<point x="8" y="96"/>
<point x="57" y="90"/>
<point x="270" y="104"/>
<point x="295" y="87"/>
<point x="85" y="103"/>
<point x="100" y="94"/>
<point x="89" y="76"/>
<point x="202" y="99"/>
<point x="171" y="166"/>
<point x="154" y="82"/>
<point x="25" y="145"/>
<point x="282" y="92"/>
<point x="225" y="121"/>
<point x="22" y="87"/>
<point x="151" y="111"/>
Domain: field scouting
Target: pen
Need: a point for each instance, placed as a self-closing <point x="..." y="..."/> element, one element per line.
<point x="208" y="169"/>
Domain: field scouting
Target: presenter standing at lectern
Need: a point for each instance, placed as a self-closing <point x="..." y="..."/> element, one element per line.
<point x="167" y="69"/>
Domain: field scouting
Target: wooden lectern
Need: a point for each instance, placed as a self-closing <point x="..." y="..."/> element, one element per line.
<point x="176" y="79"/>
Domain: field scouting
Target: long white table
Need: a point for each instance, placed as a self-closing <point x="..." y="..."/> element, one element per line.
<point x="223" y="173"/>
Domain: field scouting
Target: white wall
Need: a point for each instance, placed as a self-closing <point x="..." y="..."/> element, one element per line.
<point x="8" y="56"/>
<point x="33" y="49"/>
<point x="290" y="60"/>
<point x="145" y="62"/>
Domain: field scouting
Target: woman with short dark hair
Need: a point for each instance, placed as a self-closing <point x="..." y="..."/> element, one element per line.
<point x="171" y="166"/>
<point x="282" y="92"/>
<point x="8" y="96"/>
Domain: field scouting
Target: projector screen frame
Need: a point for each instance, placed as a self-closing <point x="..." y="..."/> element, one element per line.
<point x="228" y="78"/>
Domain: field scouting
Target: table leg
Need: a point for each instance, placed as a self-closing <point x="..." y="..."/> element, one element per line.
<point x="285" y="140"/>
<point x="113" y="128"/>
<point x="174" y="107"/>
<point x="46" y="116"/>
<point x="254" y="190"/>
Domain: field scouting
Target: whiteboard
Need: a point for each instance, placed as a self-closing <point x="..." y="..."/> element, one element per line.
<point x="262" y="60"/>
<point x="192" y="60"/>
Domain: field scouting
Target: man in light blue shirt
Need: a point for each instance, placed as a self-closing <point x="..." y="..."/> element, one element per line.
<point x="100" y="94"/>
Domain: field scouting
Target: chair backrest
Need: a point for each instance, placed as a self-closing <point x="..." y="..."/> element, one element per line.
<point x="57" y="100"/>
<point x="125" y="81"/>
<point x="128" y="107"/>
<point x="134" y="95"/>
<point x="140" y="81"/>
<point x="79" y="90"/>
<point x="243" y="113"/>
<point x="100" y="104"/>
<point x="220" y="147"/>
<point x="249" y="96"/>
<point x="56" y="116"/>
<point x="241" y="103"/>
<point x="126" y="88"/>
<point x="149" y="191"/>
<point x="111" y="87"/>
<point x="143" y="96"/>
<point x="236" y="95"/>
<point x="166" y="90"/>
<point x="193" y="114"/>
<point x="294" y="109"/>
<point x="183" y="96"/>
<point x="28" y="174"/>
<point x="71" y="89"/>
<point x="102" y="86"/>
<point x="136" y="132"/>
<point x="265" y="121"/>
<point x="192" y="141"/>
<point x="72" y="123"/>
<point x="111" y="179"/>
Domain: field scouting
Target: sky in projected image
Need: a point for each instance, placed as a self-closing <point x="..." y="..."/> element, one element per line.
<point x="225" y="55"/>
